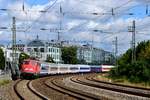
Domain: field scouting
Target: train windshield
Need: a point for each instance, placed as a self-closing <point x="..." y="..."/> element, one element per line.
<point x="26" y="62"/>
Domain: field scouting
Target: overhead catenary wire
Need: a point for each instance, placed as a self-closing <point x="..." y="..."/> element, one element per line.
<point x="97" y="13"/>
<point x="110" y="12"/>
<point x="41" y="15"/>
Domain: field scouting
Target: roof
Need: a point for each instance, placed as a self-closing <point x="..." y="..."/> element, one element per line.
<point x="36" y="43"/>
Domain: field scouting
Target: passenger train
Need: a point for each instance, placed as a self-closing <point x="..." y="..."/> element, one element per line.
<point x="33" y="67"/>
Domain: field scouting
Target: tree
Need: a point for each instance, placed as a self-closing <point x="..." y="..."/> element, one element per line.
<point x="126" y="58"/>
<point x="50" y="59"/>
<point x="144" y="53"/>
<point x="137" y="71"/>
<point x="2" y="59"/>
<point x="69" y="55"/>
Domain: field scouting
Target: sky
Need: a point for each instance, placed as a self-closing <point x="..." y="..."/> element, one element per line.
<point x="77" y="21"/>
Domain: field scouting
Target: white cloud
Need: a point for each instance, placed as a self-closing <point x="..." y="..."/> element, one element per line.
<point x="78" y="20"/>
<point x="1" y="32"/>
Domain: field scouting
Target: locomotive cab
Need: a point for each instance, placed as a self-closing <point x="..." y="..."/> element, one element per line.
<point x="30" y="67"/>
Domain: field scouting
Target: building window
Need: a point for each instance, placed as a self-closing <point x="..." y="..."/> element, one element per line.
<point x="28" y="49"/>
<point x="50" y="49"/>
<point x="41" y="49"/>
<point x="35" y="49"/>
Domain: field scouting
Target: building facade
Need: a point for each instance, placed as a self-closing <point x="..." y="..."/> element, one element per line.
<point x="20" y="47"/>
<point x="43" y="50"/>
<point x="91" y="55"/>
<point x="37" y="48"/>
<point x="8" y="53"/>
<point x="84" y="53"/>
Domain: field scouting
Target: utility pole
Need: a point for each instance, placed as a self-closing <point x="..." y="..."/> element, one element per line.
<point x="116" y="49"/>
<point x="147" y="10"/>
<point x="132" y="29"/>
<point x="14" y="67"/>
<point x="5" y="61"/>
<point x="60" y="23"/>
<point x="115" y="42"/>
<point x="13" y="47"/>
<point x="92" y="48"/>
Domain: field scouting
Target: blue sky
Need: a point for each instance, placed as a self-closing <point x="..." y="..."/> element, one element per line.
<point x="78" y="21"/>
<point x="35" y="2"/>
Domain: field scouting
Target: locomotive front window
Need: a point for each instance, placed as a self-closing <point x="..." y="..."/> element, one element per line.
<point x="26" y="62"/>
<point x="33" y="63"/>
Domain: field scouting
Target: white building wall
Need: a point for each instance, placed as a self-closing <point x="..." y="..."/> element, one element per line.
<point x="8" y="54"/>
<point x="51" y="51"/>
<point x="90" y="54"/>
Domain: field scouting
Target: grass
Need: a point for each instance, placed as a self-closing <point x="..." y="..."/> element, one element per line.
<point x="123" y="81"/>
<point x="4" y="82"/>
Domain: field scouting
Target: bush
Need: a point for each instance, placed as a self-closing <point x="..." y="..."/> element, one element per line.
<point x="138" y="71"/>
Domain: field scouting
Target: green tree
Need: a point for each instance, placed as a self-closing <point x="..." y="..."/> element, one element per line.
<point x="126" y="58"/>
<point x="50" y="59"/>
<point x="69" y="55"/>
<point x="23" y="56"/>
<point x="138" y="71"/>
<point x="2" y="59"/>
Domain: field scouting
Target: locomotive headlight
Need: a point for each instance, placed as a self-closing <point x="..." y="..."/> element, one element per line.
<point x="26" y="69"/>
<point x="30" y="69"/>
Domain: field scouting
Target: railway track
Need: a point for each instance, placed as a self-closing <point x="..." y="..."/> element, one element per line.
<point x="56" y="84"/>
<point x="46" y="87"/>
<point x="140" y="91"/>
<point x="92" y="78"/>
<point x="24" y="90"/>
<point x="129" y="90"/>
<point x="76" y="87"/>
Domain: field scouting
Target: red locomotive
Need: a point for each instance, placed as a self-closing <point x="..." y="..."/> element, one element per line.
<point x="30" y="67"/>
